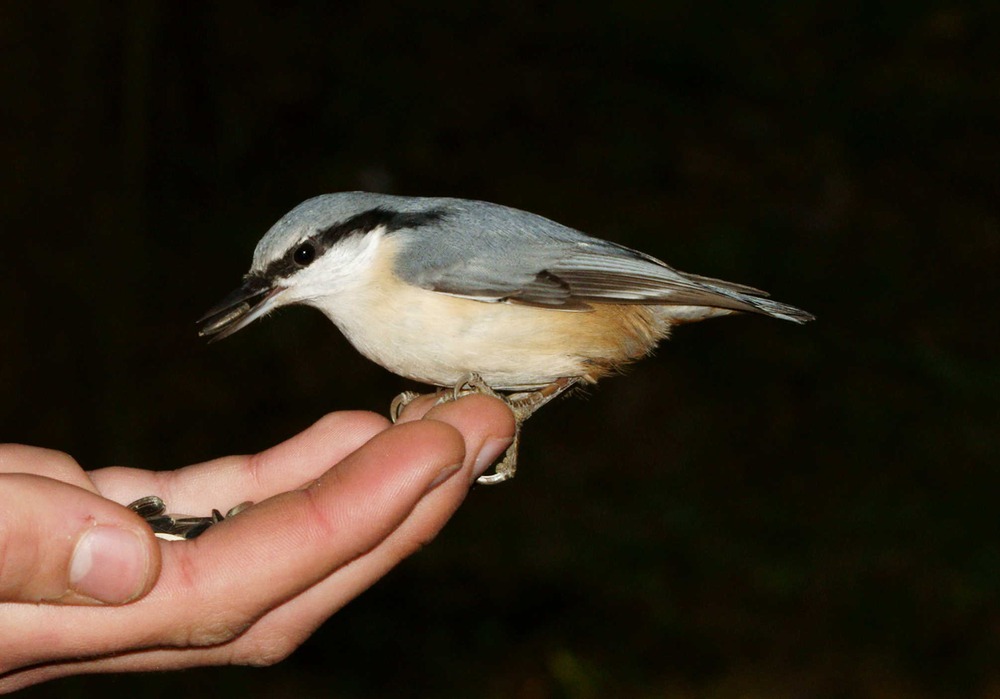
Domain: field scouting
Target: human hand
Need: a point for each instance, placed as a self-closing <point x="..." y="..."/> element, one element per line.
<point x="337" y="506"/>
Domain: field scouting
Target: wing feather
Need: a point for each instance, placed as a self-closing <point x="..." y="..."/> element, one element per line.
<point x="495" y="254"/>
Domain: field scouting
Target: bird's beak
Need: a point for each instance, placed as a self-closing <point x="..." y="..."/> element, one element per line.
<point x="240" y="308"/>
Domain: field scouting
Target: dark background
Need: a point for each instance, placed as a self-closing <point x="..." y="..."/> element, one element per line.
<point x="761" y="510"/>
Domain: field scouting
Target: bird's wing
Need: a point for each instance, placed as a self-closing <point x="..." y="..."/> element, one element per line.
<point x="556" y="267"/>
<point x="607" y="274"/>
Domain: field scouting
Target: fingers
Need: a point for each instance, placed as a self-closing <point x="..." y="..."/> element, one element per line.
<point x="20" y="458"/>
<point x="63" y="544"/>
<point x="487" y="428"/>
<point x="283" y="545"/>
<point x="254" y="586"/>
<point x="222" y="483"/>
<point x="487" y="425"/>
<point x="212" y="588"/>
<point x="427" y="407"/>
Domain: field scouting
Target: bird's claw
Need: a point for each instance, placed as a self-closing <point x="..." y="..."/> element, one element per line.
<point x="399" y="404"/>
<point x="522" y="404"/>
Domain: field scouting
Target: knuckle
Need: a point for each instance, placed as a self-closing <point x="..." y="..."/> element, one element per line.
<point x="213" y="630"/>
<point x="60" y="460"/>
<point x="406" y="546"/>
<point x="356" y="419"/>
<point x="254" y="469"/>
<point x="208" y="625"/>
<point x="266" y="650"/>
<point x="324" y="526"/>
<point x="13" y="457"/>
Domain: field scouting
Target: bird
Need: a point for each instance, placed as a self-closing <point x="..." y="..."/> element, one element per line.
<point x="471" y="296"/>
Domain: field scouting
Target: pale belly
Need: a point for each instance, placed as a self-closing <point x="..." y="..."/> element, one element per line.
<point x="439" y="339"/>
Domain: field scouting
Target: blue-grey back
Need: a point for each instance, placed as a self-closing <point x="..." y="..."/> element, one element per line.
<point x="495" y="253"/>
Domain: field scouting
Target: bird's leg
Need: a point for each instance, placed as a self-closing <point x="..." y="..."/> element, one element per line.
<point x="522" y="404"/>
<point x="525" y="404"/>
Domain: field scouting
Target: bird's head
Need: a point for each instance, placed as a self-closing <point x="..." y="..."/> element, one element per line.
<point x="316" y="252"/>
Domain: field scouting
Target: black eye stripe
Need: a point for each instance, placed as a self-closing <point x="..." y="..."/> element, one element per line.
<point x="359" y="224"/>
<point x="368" y="221"/>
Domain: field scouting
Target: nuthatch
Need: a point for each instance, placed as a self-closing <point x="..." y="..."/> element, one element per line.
<point x="475" y="296"/>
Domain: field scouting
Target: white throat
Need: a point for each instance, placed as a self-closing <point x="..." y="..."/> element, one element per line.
<point x="336" y="277"/>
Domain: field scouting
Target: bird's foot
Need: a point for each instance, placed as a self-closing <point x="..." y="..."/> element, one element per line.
<point x="177" y="527"/>
<point x="526" y="403"/>
<point x="523" y="404"/>
<point x="399" y="404"/>
<point x="505" y="468"/>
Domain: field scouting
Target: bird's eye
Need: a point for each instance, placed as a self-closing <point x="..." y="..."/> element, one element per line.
<point x="304" y="254"/>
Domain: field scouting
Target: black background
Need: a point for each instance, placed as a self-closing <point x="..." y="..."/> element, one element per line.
<point x="761" y="510"/>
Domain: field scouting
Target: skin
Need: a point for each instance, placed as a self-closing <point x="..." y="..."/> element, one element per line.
<point x="337" y="507"/>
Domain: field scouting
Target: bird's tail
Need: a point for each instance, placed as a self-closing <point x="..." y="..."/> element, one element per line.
<point x="718" y="297"/>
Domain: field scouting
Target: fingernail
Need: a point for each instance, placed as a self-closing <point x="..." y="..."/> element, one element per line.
<point x="109" y="565"/>
<point x="490" y="452"/>
<point x="445" y="473"/>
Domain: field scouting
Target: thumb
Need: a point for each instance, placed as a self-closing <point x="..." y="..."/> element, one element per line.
<point x="66" y="545"/>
